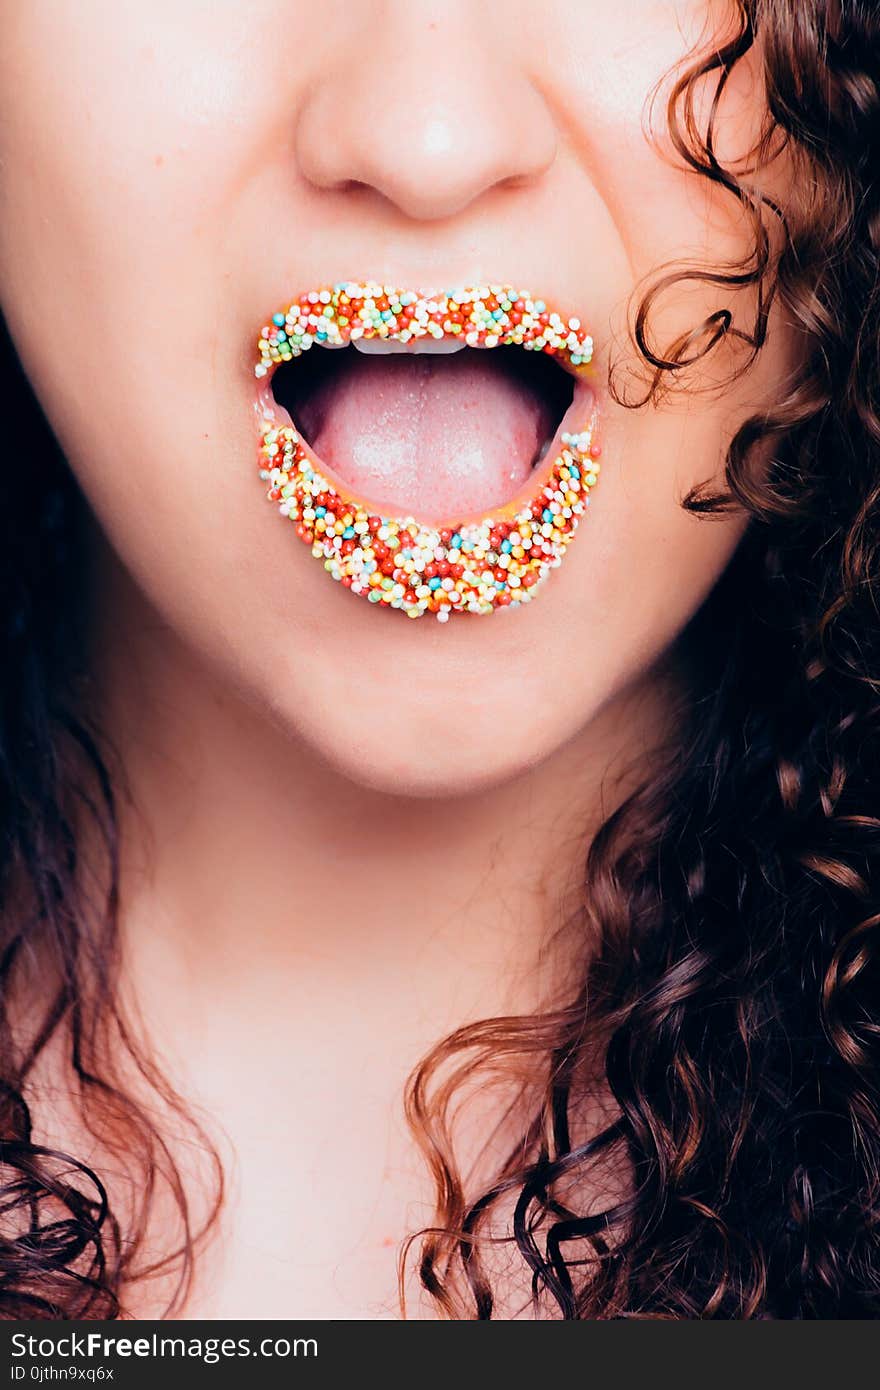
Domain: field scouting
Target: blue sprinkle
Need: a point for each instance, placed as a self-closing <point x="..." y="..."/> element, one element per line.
<point x="500" y="584"/>
<point x="434" y="583"/>
<point x="320" y="511"/>
<point x="348" y="533"/>
<point x="455" y="543"/>
<point x="506" y="547"/>
<point x="547" y="515"/>
<point x="278" y="319"/>
<point x="369" y="566"/>
<point x="574" y="470"/>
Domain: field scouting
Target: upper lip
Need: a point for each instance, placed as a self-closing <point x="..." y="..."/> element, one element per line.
<point x="484" y="315"/>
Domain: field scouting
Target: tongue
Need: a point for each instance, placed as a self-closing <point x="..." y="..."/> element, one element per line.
<point x="432" y="435"/>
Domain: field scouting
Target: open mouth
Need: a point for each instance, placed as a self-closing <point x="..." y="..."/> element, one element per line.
<point x="440" y="460"/>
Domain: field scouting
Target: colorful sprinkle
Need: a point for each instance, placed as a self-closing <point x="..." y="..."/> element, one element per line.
<point x="479" y="566"/>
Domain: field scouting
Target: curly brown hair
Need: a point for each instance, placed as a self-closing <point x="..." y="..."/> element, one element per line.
<point x="728" y="999"/>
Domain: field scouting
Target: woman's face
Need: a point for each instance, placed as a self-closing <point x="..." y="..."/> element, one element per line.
<point x="172" y="173"/>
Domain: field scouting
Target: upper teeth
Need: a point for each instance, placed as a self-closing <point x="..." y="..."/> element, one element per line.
<point x="426" y="344"/>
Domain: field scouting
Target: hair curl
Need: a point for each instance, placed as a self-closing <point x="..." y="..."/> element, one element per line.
<point x="729" y="996"/>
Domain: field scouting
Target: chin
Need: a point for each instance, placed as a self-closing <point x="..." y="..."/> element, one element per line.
<point x="418" y="737"/>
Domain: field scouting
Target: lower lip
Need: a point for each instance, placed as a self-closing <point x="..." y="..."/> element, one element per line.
<point x="476" y="565"/>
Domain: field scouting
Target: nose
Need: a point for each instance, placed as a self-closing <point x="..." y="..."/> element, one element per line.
<point x="424" y="107"/>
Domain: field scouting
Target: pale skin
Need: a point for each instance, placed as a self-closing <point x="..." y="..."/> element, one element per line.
<point x="348" y="833"/>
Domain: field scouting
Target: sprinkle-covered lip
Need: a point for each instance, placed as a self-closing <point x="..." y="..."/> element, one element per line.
<point x="479" y="564"/>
